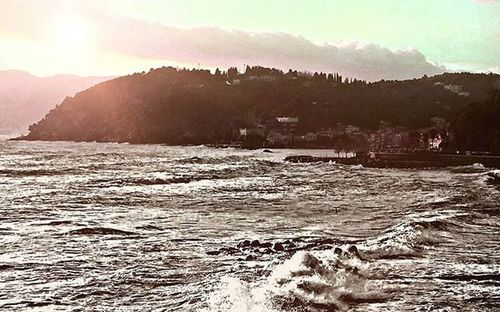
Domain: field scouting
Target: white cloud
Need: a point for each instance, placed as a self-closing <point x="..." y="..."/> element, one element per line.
<point x="494" y="70"/>
<point x="215" y="47"/>
<point x="218" y="47"/>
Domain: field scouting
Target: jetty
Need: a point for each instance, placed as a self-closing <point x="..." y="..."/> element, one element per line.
<point x="403" y="160"/>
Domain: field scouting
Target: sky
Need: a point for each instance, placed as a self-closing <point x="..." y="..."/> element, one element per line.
<point x="366" y="39"/>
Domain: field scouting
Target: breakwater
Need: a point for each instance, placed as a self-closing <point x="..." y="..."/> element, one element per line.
<point x="404" y="160"/>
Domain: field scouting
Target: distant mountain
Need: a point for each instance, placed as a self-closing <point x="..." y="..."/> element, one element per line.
<point x="173" y="106"/>
<point x="25" y="98"/>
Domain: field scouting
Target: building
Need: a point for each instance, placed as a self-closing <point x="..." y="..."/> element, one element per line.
<point x="263" y="78"/>
<point x="258" y="130"/>
<point x="288" y="124"/>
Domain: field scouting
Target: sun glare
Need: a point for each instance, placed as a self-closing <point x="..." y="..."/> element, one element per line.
<point x="71" y="36"/>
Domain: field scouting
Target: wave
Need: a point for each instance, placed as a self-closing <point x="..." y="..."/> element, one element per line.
<point x="34" y="172"/>
<point x="474" y="168"/>
<point x="158" y="181"/>
<point x="99" y="231"/>
<point x="144" y="181"/>
<point x="409" y="238"/>
<point x="494" y="177"/>
<point x="324" y="274"/>
<point x="308" y="281"/>
<point x="210" y="160"/>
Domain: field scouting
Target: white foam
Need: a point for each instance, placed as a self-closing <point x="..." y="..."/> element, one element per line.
<point x="318" y="278"/>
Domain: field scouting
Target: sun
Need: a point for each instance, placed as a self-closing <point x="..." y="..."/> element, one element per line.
<point x="71" y="36"/>
<point x="71" y="44"/>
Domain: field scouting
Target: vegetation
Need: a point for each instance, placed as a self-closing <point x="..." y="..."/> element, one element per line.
<point x="477" y="127"/>
<point x="172" y="106"/>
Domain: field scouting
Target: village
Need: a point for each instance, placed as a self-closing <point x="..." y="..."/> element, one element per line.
<point x="285" y="132"/>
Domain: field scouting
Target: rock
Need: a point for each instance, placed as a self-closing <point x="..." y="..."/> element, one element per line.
<point x="326" y="241"/>
<point x="291" y="245"/>
<point x="310" y="261"/>
<point x="267" y="151"/>
<point x="6" y="267"/>
<point x="278" y="247"/>
<point x="353" y="252"/>
<point x="266" y="245"/>
<point x="244" y="243"/>
<point x="213" y="253"/>
<point x="250" y="258"/>
<point x="229" y="250"/>
<point x="338" y="252"/>
<point x="255" y="243"/>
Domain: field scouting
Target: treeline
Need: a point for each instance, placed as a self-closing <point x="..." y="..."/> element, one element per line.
<point x="191" y="106"/>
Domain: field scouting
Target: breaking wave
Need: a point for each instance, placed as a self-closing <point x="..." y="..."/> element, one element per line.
<point x="308" y="281"/>
<point x="411" y="237"/>
<point x="474" y="168"/>
<point x="323" y="275"/>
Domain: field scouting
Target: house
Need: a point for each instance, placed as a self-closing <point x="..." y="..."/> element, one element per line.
<point x="276" y="138"/>
<point x="258" y="130"/>
<point x="263" y="78"/>
<point x="288" y="124"/>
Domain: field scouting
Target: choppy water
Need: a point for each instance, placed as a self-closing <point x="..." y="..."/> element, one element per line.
<point x="101" y="227"/>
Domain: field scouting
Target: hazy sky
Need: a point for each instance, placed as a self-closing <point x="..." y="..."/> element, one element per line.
<point x="370" y="39"/>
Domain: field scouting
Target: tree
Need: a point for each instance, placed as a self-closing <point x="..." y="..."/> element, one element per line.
<point x="232" y="73"/>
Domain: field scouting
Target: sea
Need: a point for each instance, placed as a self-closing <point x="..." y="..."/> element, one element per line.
<point x="121" y="227"/>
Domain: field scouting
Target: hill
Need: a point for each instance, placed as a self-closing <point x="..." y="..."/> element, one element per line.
<point x="25" y="99"/>
<point x="173" y="106"/>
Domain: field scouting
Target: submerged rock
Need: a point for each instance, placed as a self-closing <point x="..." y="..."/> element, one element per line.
<point x="278" y="247"/>
<point x="244" y="243"/>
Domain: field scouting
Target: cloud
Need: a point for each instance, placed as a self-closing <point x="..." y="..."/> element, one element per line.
<point x="494" y="70"/>
<point x="218" y="47"/>
<point x="215" y="47"/>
